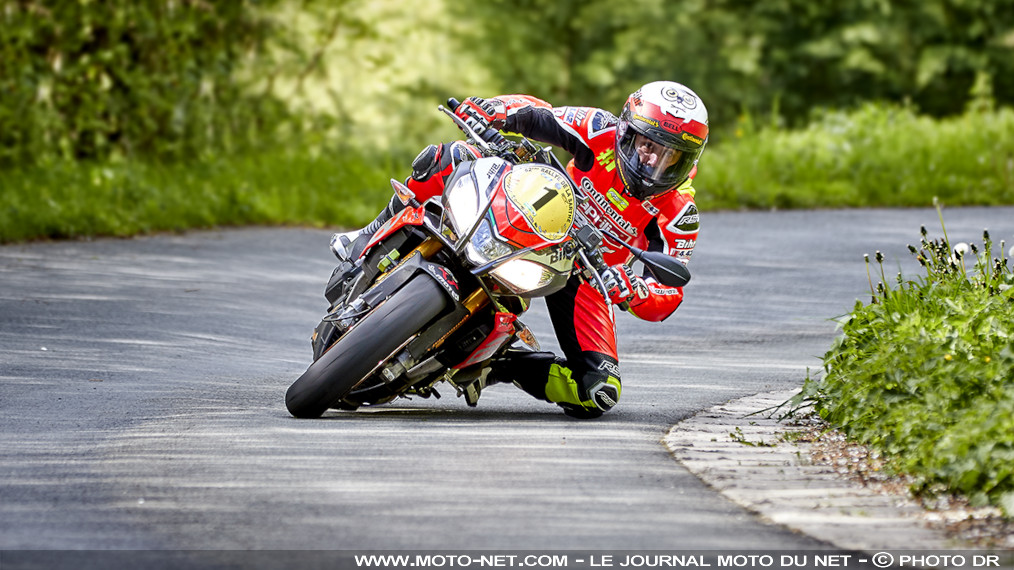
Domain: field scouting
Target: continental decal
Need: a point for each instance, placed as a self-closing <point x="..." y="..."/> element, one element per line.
<point x="687" y="222"/>
<point x="620" y="202"/>
<point x="691" y="138"/>
<point x="650" y="121"/>
<point x="604" y="206"/>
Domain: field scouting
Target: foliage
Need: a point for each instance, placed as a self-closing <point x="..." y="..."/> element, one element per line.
<point x="379" y="68"/>
<point x="756" y="55"/>
<point x="800" y="54"/>
<point x="878" y="155"/>
<point x="92" y="80"/>
<point x="925" y="372"/>
<point x="175" y="78"/>
<point x="295" y="185"/>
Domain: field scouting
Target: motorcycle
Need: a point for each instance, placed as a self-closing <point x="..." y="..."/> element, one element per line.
<point x="436" y="293"/>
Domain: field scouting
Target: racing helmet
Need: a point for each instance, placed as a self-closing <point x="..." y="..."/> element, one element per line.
<point x="660" y="135"/>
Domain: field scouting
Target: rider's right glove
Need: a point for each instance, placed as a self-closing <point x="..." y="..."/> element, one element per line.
<point x="481" y="114"/>
<point x="622" y="285"/>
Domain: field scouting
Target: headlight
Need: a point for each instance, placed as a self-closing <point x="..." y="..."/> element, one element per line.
<point x="522" y="275"/>
<point x="462" y="205"/>
<point x="484" y="247"/>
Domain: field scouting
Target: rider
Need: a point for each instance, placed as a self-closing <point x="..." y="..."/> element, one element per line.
<point x="638" y="171"/>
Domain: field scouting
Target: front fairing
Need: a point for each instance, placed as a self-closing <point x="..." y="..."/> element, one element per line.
<point x="513" y="221"/>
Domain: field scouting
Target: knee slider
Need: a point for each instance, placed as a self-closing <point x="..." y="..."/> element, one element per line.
<point x="602" y="385"/>
<point x="605" y="394"/>
<point x="602" y="397"/>
<point x="586" y="395"/>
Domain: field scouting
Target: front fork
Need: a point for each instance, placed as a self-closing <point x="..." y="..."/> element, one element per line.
<point x="418" y="359"/>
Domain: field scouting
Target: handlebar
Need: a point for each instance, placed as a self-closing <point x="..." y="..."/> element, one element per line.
<point x="666" y="270"/>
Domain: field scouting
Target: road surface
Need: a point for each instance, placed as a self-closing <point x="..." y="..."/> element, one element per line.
<point x="143" y="383"/>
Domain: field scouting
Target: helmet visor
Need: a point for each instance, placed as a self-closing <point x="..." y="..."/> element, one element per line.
<point x="652" y="161"/>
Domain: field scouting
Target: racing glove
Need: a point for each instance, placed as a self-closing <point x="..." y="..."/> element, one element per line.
<point x="481" y="114"/>
<point x="622" y="285"/>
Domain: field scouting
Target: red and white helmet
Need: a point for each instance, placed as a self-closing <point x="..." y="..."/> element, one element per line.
<point x="660" y="136"/>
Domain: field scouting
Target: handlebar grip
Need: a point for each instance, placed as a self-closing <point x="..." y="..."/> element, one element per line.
<point x="453" y="103"/>
<point x="493" y="137"/>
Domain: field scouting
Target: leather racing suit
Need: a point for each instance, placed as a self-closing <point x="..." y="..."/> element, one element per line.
<point x="586" y="382"/>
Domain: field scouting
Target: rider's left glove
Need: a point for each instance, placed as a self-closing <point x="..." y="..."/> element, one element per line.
<point x="623" y="285"/>
<point x="481" y="114"/>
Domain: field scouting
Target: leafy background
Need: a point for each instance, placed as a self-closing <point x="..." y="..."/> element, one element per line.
<point x="173" y="79"/>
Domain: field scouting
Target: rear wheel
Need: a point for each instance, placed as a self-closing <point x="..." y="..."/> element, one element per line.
<point x="339" y="370"/>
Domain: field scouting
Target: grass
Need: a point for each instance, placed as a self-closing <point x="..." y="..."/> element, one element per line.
<point x="875" y="156"/>
<point x="289" y="186"/>
<point x="925" y="372"/>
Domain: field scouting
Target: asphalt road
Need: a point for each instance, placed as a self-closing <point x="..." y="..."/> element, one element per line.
<point x="142" y="385"/>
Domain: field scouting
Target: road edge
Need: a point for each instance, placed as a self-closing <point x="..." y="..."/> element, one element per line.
<point x="741" y="449"/>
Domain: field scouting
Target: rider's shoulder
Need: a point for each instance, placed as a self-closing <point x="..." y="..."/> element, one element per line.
<point x="590" y="122"/>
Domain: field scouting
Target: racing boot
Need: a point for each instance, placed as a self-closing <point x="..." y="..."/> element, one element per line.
<point x="524" y="368"/>
<point x="348" y="246"/>
<point x="501" y="370"/>
<point x="549" y="378"/>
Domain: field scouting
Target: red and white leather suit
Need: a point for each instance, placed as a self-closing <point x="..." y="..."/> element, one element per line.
<point x="667" y="222"/>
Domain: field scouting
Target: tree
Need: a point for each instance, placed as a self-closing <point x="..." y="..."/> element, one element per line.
<point x="759" y="56"/>
<point x="85" y="79"/>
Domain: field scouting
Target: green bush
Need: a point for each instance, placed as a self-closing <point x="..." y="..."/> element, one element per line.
<point x="83" y="79"/>
<point x="875" y="156"/>
<point x="925" y="373"/>
<point x="792" y="54"/>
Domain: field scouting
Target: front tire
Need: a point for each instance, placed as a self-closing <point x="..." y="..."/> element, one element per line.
<point x="339" y="370"/>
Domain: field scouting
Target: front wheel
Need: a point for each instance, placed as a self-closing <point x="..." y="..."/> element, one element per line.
<point x="373" y="339"/>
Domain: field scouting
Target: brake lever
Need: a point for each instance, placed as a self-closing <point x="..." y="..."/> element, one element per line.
<point x="479" y="141"/>
<point x="493" y="144"/>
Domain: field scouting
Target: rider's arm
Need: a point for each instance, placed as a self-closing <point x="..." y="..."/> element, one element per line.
<point x="673" y="232"/>
<point x="536" y="119"/>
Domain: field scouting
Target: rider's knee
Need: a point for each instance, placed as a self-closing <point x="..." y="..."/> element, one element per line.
<point x="426" y="164"/>
<point x="587" y="395"/>
<point x="439" y="160"/>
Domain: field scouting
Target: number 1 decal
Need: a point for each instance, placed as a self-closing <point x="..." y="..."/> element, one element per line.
<point x="546" y="198"/>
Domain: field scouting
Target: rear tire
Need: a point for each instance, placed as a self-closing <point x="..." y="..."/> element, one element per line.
<point x="339" y="370"/>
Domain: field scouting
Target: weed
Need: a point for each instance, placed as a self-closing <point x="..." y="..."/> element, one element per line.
<point x="739" y="437"/>
<point x="925" y="371"/>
